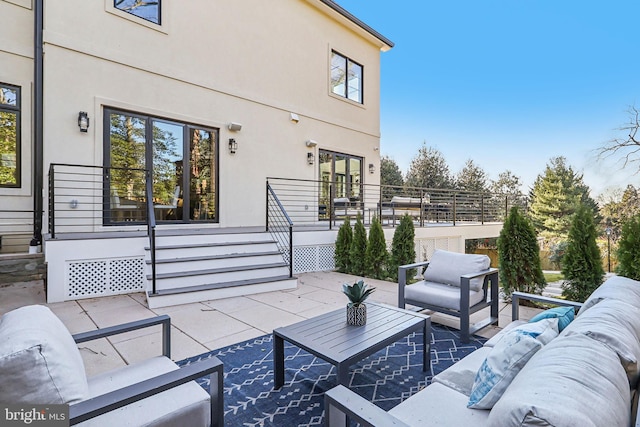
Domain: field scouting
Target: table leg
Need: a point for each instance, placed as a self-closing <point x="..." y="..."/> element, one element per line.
<point x="426" y="345"/>
<point x="278" y="361"/>
<point x="343" y="374"/>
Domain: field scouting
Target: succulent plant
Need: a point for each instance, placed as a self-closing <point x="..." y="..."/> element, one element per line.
<point x="357" y="293"/>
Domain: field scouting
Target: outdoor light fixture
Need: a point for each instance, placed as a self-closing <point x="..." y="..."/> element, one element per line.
<point x="311" y="158"/>
<point x="83" y="121"/>
<point x="372" y="168"/>
<point x="233" y="146"/>
<point x="294" y="117"/>
<point x="235" y="127"/>
<point x="311" y="143"/>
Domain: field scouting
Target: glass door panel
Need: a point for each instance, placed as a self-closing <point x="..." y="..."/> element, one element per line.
<point x="355" y="178"/>
<point x="203" y="150"/>
<point x="167" y="160"/>
<point x="326" y="178"/>
<point x="340" y="176"/>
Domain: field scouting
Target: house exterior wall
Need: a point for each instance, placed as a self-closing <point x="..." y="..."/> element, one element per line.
<point x="212" y="63"/>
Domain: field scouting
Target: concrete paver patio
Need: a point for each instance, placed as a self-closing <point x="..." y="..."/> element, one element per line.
<point x="201" y="327"/>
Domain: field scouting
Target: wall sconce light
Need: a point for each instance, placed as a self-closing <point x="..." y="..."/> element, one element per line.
<point x="311" y="158"/>
<point x="235" y="127"/>
<point x="83" y="121"/>
<point x="372" y="168"/>
<point x="294" y="117"/>
<point x="311" y="143"/>
<point x="233" y="146"/>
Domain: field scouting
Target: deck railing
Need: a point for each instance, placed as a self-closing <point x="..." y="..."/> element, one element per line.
<point x="280" y="226"/>
<point x="329" y="203"/>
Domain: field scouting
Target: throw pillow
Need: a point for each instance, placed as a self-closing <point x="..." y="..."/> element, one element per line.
<point x="506" y="359"/>
<point x="565" y="315"/>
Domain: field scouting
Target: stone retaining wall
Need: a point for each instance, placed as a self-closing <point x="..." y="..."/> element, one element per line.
<point x="22" y="268"/>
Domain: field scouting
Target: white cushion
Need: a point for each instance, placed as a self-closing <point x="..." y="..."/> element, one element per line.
<point x="185" y="405"/>
<point x="574" y="381"/>
<point x="39" y="360"/>
<point x="616" y="287"/>
<point x="440" y="294"/>
<point x="461" y="375"/>
<point x="447" y="267"/>
<point x="497" y="337"/>
<point x="507" y="358"/>
<point x="616" y="324"/>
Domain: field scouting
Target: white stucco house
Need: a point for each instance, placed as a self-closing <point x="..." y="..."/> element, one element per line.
<point x="170" y="133"/>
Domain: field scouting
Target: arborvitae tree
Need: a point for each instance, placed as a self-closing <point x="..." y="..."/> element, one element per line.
<point x="519" y="256"/>
<point x="403" y="249"/>
<point x="581" y="264"/>
<point x="629" y="249"/>
<point x="358" y="249"/>
<point x="376" y="256"/>
<point x="343" y="246"/>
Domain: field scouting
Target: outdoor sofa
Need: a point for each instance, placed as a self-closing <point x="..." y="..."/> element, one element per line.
<point x="528" y="374"/>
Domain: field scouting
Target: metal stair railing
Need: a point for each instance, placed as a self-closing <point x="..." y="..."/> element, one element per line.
<point x="280" y="226"/>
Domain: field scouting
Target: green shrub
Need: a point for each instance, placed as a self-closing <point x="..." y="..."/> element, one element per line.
<point x="519" y="256"/>
<point x="581" y="264"/>
<point x="358" y="250"/>
<point x="628" y="253"/>
<point x="343" y="247"/>
<point x="403" y="249"/>
<point x="376" y="256"/>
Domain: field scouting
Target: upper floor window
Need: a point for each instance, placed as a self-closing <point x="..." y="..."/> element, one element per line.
<point x="9" y="136"/>
<point x="145" y="9"/>
<point x="346" y="77"/>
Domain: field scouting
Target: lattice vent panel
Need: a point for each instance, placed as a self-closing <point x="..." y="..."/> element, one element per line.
<point x="313" y="258"/>
<point x="105" y="277"/>
<point x="426" y="247"/>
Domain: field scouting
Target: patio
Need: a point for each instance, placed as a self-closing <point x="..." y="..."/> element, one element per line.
<point x="200" y="327"/>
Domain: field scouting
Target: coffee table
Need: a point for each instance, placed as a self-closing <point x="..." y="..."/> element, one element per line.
<point x="330" y="338"/>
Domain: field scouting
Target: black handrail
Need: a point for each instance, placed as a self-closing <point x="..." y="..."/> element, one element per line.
<point x="280" y="226"/>
<point x="151" y="229"/>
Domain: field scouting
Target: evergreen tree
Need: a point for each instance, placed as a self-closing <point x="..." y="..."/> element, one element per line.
<point x="472" y="178"/>
<point x="358" y="250"/>
<point x="555" y="196"/>
<point x="519" y="256"/>
<point x="390" y="177"/>
<point x="343" y="246"/>
<point x="629" y="249"/>
<point x="429" y="169"/>
<point x="581" y="263"/>
<point x="403" y="249"/>
<point x="376" y="256"/>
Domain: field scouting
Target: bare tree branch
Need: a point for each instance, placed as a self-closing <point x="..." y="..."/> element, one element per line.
<point x="629" y="146"/>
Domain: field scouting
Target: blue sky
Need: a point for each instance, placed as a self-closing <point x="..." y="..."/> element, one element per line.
<point x="509" y="84"/>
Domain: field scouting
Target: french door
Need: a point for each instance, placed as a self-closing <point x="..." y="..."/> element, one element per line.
<point x="182" y="158"/>
<point x="340" y="178"/>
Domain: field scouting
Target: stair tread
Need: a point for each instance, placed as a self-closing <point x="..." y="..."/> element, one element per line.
<point x="219" y="270"/>
<point x="212" y="244"/>
<point x="214" y="257"/>
<point x="211" y="286"/>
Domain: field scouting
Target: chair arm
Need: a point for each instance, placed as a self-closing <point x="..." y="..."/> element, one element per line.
<point x="517" y="296"/>
<point x="340" y="403"/>
<point x="402" y="279"/>
<point x="481" y="273"/>
<point x="107" y="402"/>
<point x="163" y="320"/>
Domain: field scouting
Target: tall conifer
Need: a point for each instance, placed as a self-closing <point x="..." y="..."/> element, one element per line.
<point x="358" y="249"/>
<point x="343" y="246"/>
<point x="376" y="256"/>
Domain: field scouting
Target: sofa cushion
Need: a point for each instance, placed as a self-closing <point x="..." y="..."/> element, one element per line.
<point x="565" y="315"/>
<point x="617" y="325"/>
<point x="439" y="294"/>
<point x="497" y="337"/>
<point x="185" y="405"/>
<point x="507" y="358"/>
<point x="572" y="381"/>
<point x="39" y="359"/>
<point x="447" y="267"/>
<point x="616" y="287"/>
<point x="461" y="375"/>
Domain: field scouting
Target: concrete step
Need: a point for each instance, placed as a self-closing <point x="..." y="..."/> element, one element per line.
<point x="189" y="278"/>
<point x="198" y="263"/>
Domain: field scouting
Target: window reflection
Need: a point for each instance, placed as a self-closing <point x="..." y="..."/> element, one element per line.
<point x="9" y="136"/>
<point x="148" y="10"/>
<point x="346" y="77"/>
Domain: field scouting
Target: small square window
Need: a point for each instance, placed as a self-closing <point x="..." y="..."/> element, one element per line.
<point x="148" y="10"/>
<point x="346" y="77"/>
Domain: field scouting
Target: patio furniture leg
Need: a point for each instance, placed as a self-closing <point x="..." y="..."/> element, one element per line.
<point x="278" y="361"/>
<point x="426" y="345"/>
<point x="343" y="374"/>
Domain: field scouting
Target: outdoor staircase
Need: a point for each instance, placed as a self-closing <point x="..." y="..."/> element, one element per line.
<point x="202" y="267"/>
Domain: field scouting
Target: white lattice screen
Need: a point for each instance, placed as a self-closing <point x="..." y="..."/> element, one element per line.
<point x="426" y="247"/>
<point x="313" y="258"/>
<point x="105" y="277"/>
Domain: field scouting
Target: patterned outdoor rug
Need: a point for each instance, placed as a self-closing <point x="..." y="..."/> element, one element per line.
<point x="386" y="378"/>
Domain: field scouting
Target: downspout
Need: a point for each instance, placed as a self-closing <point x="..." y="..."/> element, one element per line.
<point x="38" y="114"/>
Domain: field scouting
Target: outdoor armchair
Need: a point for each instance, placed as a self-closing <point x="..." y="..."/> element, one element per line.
<point x="40" y="360"/>
<point x="455" y="284"/>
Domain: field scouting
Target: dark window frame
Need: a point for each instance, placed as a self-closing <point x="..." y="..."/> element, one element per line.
<point x="130" y="12"/>
<point x="348" y="62"/>
<point x="17" y="110"/>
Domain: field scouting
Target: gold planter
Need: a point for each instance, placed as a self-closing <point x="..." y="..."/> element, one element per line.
<point x="356" y="315"/>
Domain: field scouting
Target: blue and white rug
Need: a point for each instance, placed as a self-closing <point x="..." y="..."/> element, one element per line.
<point x="386" y="378"/>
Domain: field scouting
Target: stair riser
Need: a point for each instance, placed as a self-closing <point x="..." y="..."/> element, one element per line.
<point x="212" y="250"/>
<point x="213" y="294"/>
<point x="212" y="238"/>
<point x="186" y="281"/>
<point x="214" y="263"/>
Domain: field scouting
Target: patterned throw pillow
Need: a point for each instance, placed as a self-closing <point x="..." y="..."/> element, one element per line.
<point x="565" y="315"/>
<point x="507" y="358"/>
